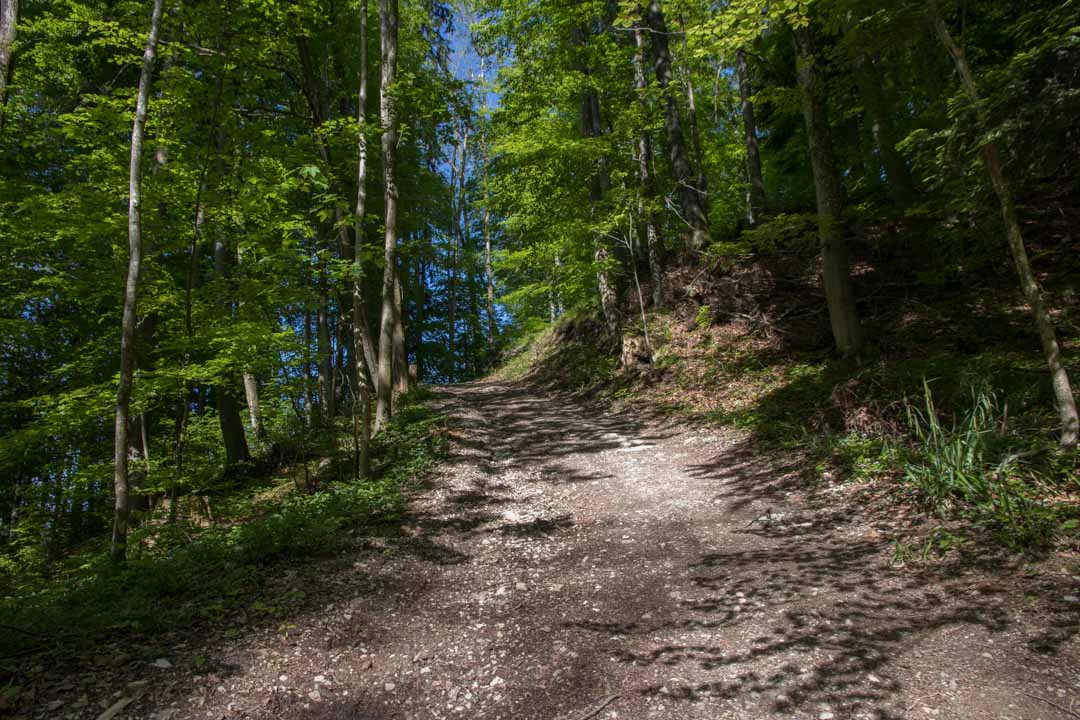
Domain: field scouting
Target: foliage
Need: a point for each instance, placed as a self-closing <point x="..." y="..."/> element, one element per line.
<point x="184" y="575"/>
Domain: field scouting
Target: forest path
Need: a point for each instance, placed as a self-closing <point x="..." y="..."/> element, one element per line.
<point x="566" y="564"/>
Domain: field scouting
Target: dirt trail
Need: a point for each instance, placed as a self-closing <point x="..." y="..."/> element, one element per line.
<point x="566" y="565"/>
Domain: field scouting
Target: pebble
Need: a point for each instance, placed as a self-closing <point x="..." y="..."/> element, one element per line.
<point x="162" y="663"/>
<point x="389" y="686"/>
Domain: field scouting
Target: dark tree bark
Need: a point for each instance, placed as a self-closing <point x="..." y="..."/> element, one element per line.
<point x="649" y="200"/>
<point x="363" y="351"/>
<point x="121" y="508"/>
<point x="691" y="113"/>
<point x="327" y="408"/>
<point x="991" y="157"/>
<point x="879" y="116"/>
<point x="388" y="32"/>
<point x="591" y="127"/>
<point x="756" y="194"/>
<point x="695" y="207"/>
<point x="836" y="277"/>
<point x="461" y="221"/>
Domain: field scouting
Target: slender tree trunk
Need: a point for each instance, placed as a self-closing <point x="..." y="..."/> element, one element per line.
<point x="388" y="33"/>
<point x="592" y="127"/>
<point x="694" y="203"/>
<point x="421" y="310"/>
<point x="118" y="546"/>
<point x="363" y="350"/>
<point x="460" y="229"/>
<point x="691" y="113"/>
<point x="601" y="251"/>
<point x="401" y="358"/>
<point x="489" y="274"/>
<point x="251" y="394"/>
<point x="648" y="204"/>
<point x="326" y="361"/>
<point x="1059" y="377"/>
<point x="868" y="80"/>
<point x="9" y="20"/>
<point x="232" y="426"/>
<point x="756" y="194"/>
<point x="839" y="294"/>
<point x="309" y="400"/>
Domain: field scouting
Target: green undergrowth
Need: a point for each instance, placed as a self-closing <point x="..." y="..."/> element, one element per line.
<point x="179" y="575"/>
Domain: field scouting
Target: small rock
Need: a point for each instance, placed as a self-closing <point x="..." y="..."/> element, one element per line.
<point x="521" y="586"/>
<point x="162" y="663"/>
<point x="315" y="695"/>
<point x="826" y="716"/>
<point x="389" y="687"/>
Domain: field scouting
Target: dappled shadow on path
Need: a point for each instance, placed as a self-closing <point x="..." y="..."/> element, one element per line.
<point x="799" y="610"/>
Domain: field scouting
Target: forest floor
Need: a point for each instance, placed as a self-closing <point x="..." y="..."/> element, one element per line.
<point x="565" y="563"/>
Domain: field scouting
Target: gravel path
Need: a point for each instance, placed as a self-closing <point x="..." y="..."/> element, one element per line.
<point x="565" y="564"/>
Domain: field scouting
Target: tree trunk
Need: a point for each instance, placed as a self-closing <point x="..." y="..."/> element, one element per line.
<point x="691" y="113"/>
<point x="648" y="204"/>
<point x="327" y="408"/>
<point x="868" y="79"/>
<point x="309" y="400"/>
<point x="401" y="360"/>
<point x="232" y="427"/>
<point x="756" y="194"/>
<point x="118" y="546"/>
<point x="9" y="20"/>
<point x="460" y="220"/>
<point x="388" y="32"/>
<point x="694" y="203"/>
<point x="1059" y="377"/>
<point x="363" y="351"/>
<point x="251" y="394"/>
<point x="489" y="275"/>
<point x="601" y="252"/>
<point x="839" y="294"/>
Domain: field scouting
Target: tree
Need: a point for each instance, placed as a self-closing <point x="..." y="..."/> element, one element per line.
<point x="695" y="209"/>
<point x="836" y="277"/>
<point x="991" y="158"/>
<point x="362" y="368"/>
<point x="756" y="193"/>
<point x="118" y="547"/>
<point x="647" y="206"/>
<point x="388" y="33"/>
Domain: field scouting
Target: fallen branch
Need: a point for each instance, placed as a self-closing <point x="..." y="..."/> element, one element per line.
<point x="1051" y="703"/>
<point x="596" y="710"/>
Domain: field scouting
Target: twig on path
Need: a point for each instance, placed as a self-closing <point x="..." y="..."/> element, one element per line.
<point x="1051" y="703"/>
<point x="596" y="710"/>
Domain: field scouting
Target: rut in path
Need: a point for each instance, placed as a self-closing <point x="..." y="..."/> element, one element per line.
<point x="567" y="564"/>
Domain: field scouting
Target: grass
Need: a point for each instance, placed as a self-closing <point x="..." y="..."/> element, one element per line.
<point x="192" y="575"/>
